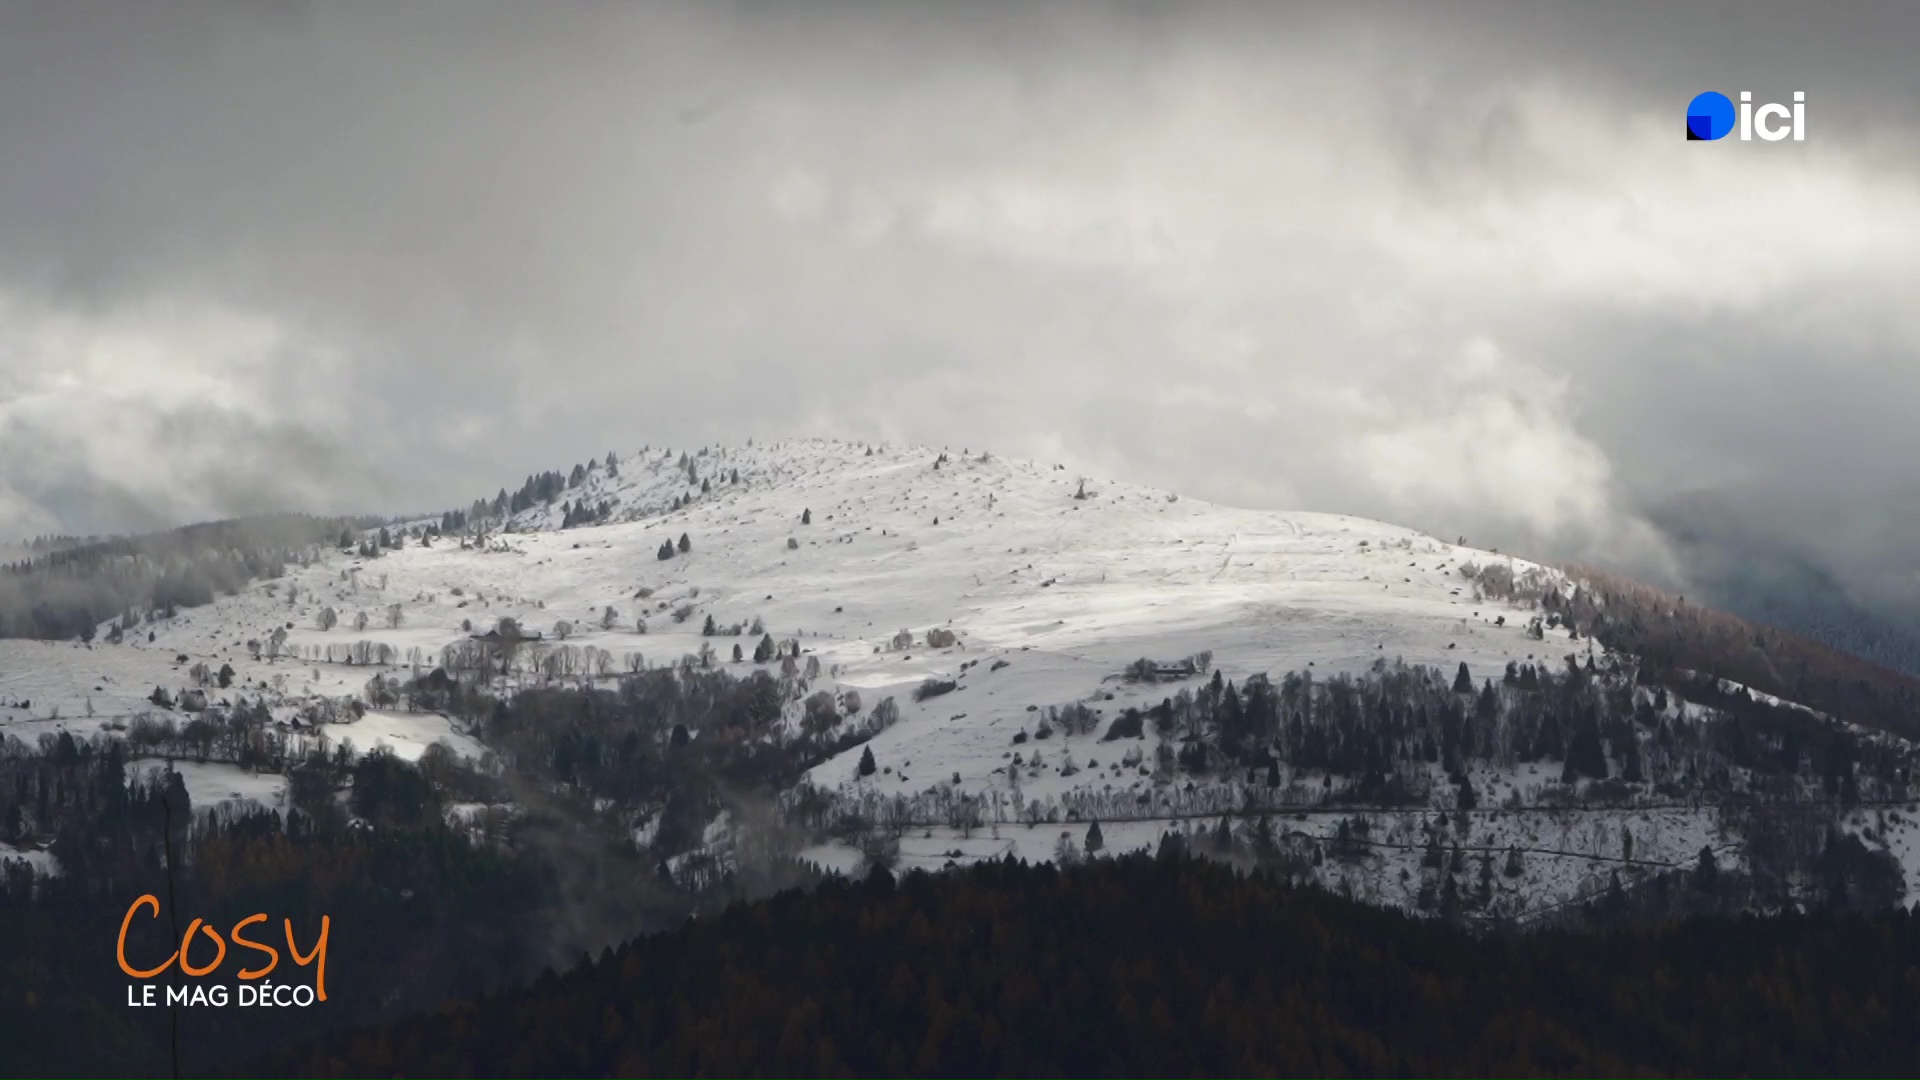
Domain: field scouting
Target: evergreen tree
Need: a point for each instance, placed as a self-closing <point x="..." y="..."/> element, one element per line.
<point x="1469" y="799"/>
<point x="1172" y="849"/>
<point x="867" y="764"/>
<point x="1585" y="757"/>
<point x="1706" y="872"/>
<point x="1462" y="680"/>
<point x="1094" y="841"/>
<point x="1631" y="771"/>
<point x="685" y="544"/>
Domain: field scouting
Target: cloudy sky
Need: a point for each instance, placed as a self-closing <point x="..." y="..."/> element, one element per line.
<point x="1452" y="265"/>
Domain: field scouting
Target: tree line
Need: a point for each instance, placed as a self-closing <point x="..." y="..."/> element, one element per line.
<point x="1170" y="966"/>
<point x="71" y="591"/>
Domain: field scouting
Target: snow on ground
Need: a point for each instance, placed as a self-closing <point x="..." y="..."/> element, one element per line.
<point x="210" y="784"/>
<point x="43" y="862"/>
<point x="1066" y="590"/>
<point x="1563" y="852"/>
<point x="1901" y="836"/>
<point x="407" y="734"/>
<point x="1051" y="584"/>
<point x="1895" y="830"/>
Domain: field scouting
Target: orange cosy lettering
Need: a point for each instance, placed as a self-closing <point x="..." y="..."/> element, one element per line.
<point x="193" y="928"/>
<point x="315" y="958"/>
<point x="273" y="954"/>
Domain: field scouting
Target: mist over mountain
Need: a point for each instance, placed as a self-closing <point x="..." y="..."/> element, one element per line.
<point x="1438" y="264"/>
<point x="1738" y="565"/>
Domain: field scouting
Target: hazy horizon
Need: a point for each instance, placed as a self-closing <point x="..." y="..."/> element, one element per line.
<point x="1448" y="265"/>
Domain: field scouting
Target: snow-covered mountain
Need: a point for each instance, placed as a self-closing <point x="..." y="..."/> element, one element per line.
<point x="999" y="605"/>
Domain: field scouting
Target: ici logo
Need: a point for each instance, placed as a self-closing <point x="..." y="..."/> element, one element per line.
<point x="1711" y="116"/>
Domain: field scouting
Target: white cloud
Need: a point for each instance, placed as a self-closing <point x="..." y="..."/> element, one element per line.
<point x="1234" y="252"/>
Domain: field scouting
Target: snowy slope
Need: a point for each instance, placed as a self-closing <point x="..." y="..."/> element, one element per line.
<point x="998" y="551"/>
<point x="1050" y="594"/>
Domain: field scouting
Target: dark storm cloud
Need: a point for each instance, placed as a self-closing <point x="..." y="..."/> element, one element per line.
<point x="1446" y="264"/>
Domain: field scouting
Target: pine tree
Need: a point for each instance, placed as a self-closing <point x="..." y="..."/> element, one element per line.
<point x="1469" y="799"/>
<point x="685" y="544"/>
<point x="867" y="765"/>
<point x="1632" y="771"/>
<point x="806" y="516"/>
<point x="763" y="652"/>
<point x="1462" y="680"/>
<point x="1706" y="872"/>
<point x="1585" y="757"/>
<point x="1094" y="841"/>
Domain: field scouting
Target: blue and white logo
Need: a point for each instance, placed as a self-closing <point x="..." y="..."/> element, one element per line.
<point x="1711" y="116"/>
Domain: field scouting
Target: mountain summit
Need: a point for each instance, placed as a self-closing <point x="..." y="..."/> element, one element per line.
<point x="948" y="656"/>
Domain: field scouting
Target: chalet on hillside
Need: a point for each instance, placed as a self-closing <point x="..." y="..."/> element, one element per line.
<point x="1145" y="670"/>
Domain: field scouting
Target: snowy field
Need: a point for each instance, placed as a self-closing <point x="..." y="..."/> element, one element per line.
<point x="43" y="862"/>
<point x="212" y="784"/>
<point x="407" y="734"/>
